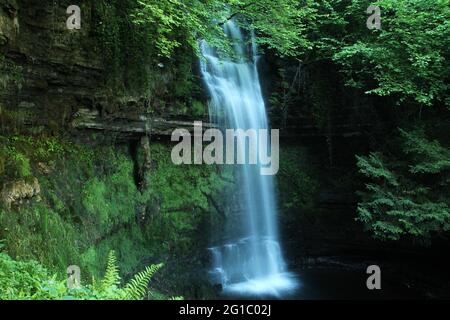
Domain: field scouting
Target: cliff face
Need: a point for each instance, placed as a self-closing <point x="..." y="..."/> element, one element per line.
<point x="59" y="70"/>
<point x="56" y="78"/>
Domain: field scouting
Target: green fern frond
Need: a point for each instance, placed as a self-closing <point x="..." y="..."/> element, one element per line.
<point x="137" y="287"/>
<point x="112" y="277"/>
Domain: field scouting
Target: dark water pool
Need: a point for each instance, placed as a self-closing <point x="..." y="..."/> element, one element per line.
<point x="341" y="284"/>
<point x="332" y="284"/>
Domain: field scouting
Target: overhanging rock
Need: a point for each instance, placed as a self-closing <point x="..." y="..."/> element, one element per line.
<point x="86" y="119"/>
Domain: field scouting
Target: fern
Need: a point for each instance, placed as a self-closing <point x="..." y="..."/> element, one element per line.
<point x="136" y="288"/>
<point x="407" y="192"/>
<point x="112" y="277"/>
<point x="30" y="280"/>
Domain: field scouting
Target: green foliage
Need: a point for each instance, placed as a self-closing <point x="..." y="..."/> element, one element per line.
<point x="110" y="201"/>
<point x="170" y="182"/>
<point x="288" y="35"/>
<point x="136" y="54"/>
<point x="179" y="200"/>
<point x="125" y="48"/>
<point x="31" y="281"/>
<point x="174" y="23"/>
<point x="407" y="58"/>
<point x="90" y="203"/>
<point x="429" y="156"/>
<point x="132" y="243"/>
<point x="21" y="163"/>
<point x="408" y="194"/>
<point x="39" y="233"/>
<point x="112" y="277"/>
<point x="21" y="152"/>
<point x="137" y="287"/>
<point x="198" y="108"/>
<point x="19" y="280"/>
<point x="149" y="47"/>
<point x="108" y="29"/>
<point x="15" y="162"/>
<point x="43" y="230"/>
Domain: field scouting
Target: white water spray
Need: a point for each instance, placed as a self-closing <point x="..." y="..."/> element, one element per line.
<point x="252" y="263"/>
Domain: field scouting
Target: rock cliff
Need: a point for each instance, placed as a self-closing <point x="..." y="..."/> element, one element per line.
<point x="54" y="78"/>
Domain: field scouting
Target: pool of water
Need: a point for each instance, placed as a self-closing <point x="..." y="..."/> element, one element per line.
<point x="332" y="284"/>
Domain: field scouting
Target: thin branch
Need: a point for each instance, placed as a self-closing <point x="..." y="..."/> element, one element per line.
<point x="240" y="9"/>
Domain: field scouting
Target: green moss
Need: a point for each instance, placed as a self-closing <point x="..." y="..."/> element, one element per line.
<point x="90" y="204"/>
<point x="198" y="108"/>
<point x="20" y="163"/>
<point x="134" y="64"/>
<point x="131" y="245"/>
<point x="178" y="197"/>
<point x="38" y="232"/>
<point x="111" y="201"/>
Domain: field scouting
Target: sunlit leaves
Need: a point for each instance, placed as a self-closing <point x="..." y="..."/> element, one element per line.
<point x="174" y="23"/>
<point x="407" y="58"/>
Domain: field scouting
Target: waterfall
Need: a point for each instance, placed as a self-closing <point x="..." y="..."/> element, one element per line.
<point x="252" y="262"/>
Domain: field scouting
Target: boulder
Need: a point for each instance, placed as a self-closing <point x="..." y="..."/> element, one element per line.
<point x="16" y="192"/>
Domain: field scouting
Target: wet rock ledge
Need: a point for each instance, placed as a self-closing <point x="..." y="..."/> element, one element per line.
<point x="131" y="126"/>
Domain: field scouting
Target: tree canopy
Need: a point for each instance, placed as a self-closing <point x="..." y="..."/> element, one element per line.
<point x="406" y="58"/>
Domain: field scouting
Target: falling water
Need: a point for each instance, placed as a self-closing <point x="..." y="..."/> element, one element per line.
<point x="251" y="263"/>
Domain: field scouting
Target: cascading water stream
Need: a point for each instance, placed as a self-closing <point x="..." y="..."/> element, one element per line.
<point x="252" y="263"/>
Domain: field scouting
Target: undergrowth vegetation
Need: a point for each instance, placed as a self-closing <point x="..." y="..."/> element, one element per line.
<point x="89" y="203"/>
<point x="29" y="280"/>
<point x="407" y="193"/>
